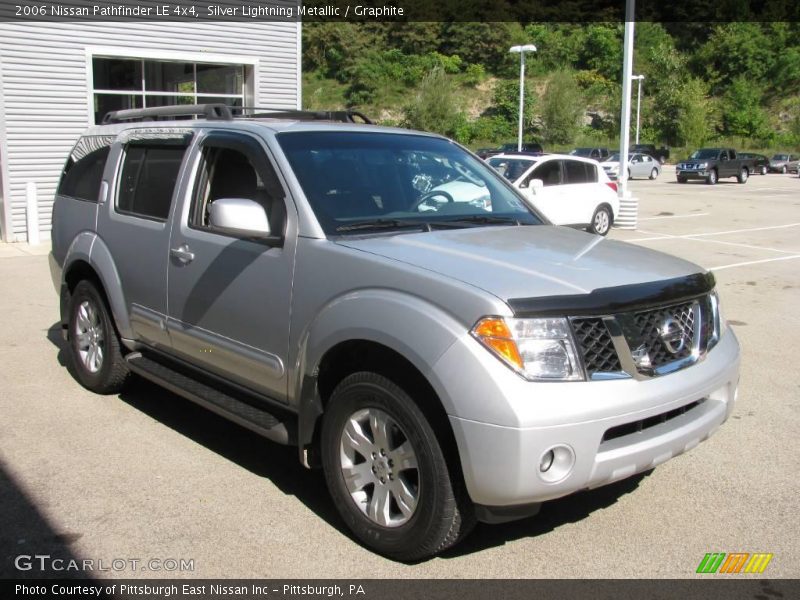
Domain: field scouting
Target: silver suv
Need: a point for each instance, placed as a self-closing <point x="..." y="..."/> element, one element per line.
<point x="386" y="302"/>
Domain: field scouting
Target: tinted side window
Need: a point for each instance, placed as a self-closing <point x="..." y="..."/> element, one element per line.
<point x="579" y="172"/>
<point x="147" y="179"/>
<point x="549" y="173"/>
<point x="83" y="172"/>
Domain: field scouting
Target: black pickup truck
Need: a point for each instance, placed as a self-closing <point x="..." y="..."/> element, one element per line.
<point x="660" y="154"/>
<point x="711" y="164"/>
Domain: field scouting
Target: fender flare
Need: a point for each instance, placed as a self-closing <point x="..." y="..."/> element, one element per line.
<point x="89" y="248"/>
<point x="418" y="330"/>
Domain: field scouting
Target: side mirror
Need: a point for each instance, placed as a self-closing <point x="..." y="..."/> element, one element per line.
<point x="240" y="217"/>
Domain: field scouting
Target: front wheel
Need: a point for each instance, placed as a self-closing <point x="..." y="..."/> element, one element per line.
<point x="601" y="221"/>
<point x="743" y="175"/>
<point x="387" y="473"/>
<point x="712" y="177"/>
<point x="783" y="169"/>
<point x="763" y="170"/>
<point x="654" y="173"/>
<point x="96" y="351"/>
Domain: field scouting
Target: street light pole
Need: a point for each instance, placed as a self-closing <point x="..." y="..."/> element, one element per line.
<point x="638" y="103"/>
<point x="522" y="50"/>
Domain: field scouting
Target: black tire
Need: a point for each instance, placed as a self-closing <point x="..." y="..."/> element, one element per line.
<point x="654" y="173"/>
<point x="712" y="177"/>
<point x="763" y="170"/>
<point x="600" y="224"/>
<point x="743" y="175"/>
<point x="783" y="169"/>
<point x="681" y="179"/>
<point x="443" y="514"/>
<point x="91" y="328"/>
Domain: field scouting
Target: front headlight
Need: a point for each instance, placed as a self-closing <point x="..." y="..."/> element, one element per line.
<point x="703" y="165"/>
<point x="537" y="349"/>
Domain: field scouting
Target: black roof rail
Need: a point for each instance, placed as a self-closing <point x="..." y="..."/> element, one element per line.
<point x="212" y="112"/>
<point x="341" y="116"/>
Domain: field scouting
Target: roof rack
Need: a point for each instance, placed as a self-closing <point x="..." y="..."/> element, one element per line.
<point x="212" y="112"/>
<point x="341" y="116"/>
<point x="223" y="112"/>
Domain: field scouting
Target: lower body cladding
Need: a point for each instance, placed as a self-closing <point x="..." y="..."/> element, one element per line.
<point x="546" y="440"/>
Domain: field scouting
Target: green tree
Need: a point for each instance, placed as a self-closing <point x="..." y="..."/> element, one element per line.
<point x="562" y="109"/>
<point x="695" y="116"/>
<point x="434" y="107"/>
<point x="742" y="114"/>
<point x="505" y="106"/>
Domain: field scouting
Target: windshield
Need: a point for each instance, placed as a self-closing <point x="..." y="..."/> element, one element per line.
<point x="706" y="153"/>
<point x="585" y="152"/>
<point x="510" y="168"/>
<point x="359" y="181"/>
<point x="781" y="157"/>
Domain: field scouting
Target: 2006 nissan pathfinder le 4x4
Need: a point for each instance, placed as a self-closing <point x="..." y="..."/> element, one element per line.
<point x="388" y="303"/>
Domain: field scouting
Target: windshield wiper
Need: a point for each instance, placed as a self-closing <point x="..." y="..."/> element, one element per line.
<point x="384" y="224"/>
<point x="485" y="220"/>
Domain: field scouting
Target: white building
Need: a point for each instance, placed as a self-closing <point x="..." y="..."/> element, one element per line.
<point x="58" y="78"/>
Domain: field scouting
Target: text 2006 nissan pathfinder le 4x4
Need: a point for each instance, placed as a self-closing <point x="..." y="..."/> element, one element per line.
<point x="386" y="302"/>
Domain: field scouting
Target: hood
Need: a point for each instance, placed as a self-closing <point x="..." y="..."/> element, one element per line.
<point x="527" y="261"/>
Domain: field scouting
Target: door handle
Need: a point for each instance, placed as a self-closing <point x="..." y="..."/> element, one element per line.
<point x="182" y="253"/>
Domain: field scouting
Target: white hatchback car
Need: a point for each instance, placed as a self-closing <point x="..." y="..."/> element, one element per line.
<point x="568" y="190"/>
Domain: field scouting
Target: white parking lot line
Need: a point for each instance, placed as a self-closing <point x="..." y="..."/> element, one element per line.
<point x="666" y="236"/>
<point x="753" y="262"/>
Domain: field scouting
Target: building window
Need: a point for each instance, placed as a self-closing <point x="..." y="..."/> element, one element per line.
<point x="122" y="83"/>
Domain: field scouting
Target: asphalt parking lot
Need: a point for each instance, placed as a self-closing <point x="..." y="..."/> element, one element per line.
<point x="147" y="475"/>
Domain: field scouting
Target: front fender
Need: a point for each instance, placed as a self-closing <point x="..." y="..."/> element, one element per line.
<point x="418" y="330"/>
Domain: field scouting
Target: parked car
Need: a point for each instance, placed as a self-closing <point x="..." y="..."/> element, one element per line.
<point x="711" y="164"/>
<point x="598" y="154"/>
<point x="639" y="165"/>
<point x="568" y="190"/>
<point x="781" y="162"/>
<point x="529" y="147"/>
<point x="660" y="154"/>
<point x="441" y="366"/>
<point x="760" y="162"/>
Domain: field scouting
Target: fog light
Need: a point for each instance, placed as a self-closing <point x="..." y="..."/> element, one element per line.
<point x="547" y="461"/>
<point x="556" y="463"/>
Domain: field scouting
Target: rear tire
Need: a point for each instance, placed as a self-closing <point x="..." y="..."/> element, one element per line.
<point x="97" y="357"/>
<point x="654" y="173"/>
<point x="743" y="175"/>
<point x="601" y="221"/>
<point x="387" y="473"/>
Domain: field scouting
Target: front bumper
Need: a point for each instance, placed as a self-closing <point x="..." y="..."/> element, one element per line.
<point x="505" y="425"/>
<point x="693" y="173"/>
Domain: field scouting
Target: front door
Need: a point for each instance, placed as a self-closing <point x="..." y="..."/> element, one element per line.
<point x="229" y="296"/>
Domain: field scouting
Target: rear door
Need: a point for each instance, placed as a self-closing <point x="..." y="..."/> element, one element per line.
<point x="580" y="192"/>
<point x="229" y="296"/>
<point x="134" y="225"/>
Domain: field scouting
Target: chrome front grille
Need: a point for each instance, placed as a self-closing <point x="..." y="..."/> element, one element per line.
<point x="596" y="346"/>
<point x="646" y="343"/>
<point x="650" y="323"/>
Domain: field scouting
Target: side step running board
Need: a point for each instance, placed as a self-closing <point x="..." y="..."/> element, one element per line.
<point x="212" y="398"/>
